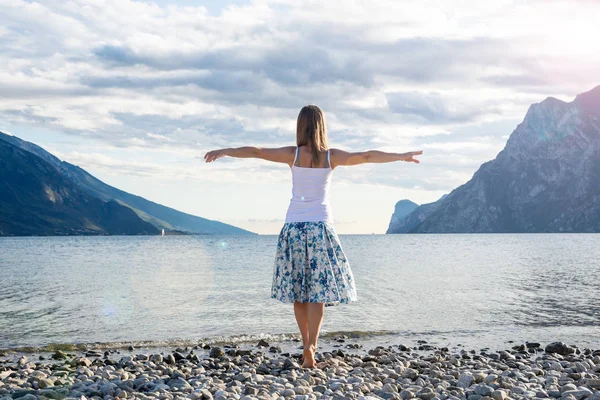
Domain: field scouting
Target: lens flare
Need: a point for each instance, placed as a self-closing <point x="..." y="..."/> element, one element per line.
<point x="170" y="280"/>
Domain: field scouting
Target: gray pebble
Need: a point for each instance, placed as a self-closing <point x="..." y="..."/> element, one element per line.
<point x="216" y="352"/>
<point x="483" y="390"/>
<point x="499" y="395"/>
<point x="465" y="380"/>
<point x="242" y="376"/>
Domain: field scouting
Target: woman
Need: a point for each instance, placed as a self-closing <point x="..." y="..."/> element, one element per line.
<point x="311" y="269"/>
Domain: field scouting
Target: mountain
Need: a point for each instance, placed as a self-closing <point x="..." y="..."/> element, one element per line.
<point x="401" y="210"/>
<point x="36" y="200"/>
<point x="544" y="180"/>
<point x="408" y="222"/>
<point x="159" y="216"/>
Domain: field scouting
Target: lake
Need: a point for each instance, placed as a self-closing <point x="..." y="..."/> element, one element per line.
<point x="475" y="290"/>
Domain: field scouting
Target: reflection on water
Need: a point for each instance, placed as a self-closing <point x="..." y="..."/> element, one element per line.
<point x="482" y="288"/>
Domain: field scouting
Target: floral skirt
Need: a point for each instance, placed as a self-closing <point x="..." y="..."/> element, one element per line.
<point x="310" y="266"/>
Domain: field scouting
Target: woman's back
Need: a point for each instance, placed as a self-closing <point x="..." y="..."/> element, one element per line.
<point x="311" y="269"/>
<point x="310" y="191"/>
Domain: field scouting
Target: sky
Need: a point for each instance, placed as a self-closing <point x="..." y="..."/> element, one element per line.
<point x="136" y="92"/>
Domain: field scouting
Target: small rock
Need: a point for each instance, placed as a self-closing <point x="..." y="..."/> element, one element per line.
<point x="275" y="349"/>
<point x="39" y="374"/>
<point x="59" y="355"/>
<point x="52" y="394"/>
<point x="560" y="348"/>
<point x="499" y="395"/>
<point x="389" y="388"/>
<point x="44" y="383"/>
<point x="483" y="390"/>
<point x="320" y="388"/>
<point x="180" y="384"/>
<point x="554" y="393"/>
<point x="302" y="390"/>
<point x="594" y="383"/>
<point x="426" y="394"/>
<point x="289" y="364"/>
<point x="555" y="366"/>
<point x="465" y="380"/>
<point x="28" y="396"/>
<point x="86" y="362"/>
<point x="579" y="394"/>
<point x="568" y="387"/>
<point x="93" y="353"/>
<point x="243" y="376"/>
<point x="125" y="360"/>
<point x="216" y="352"/>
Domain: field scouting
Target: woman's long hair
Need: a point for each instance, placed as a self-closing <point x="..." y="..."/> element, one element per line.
<point x="310" y="128"/>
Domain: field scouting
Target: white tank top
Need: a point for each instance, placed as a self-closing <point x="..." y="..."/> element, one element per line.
<point x="310" y="193"/>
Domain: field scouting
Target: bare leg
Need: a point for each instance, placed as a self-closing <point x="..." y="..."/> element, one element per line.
<point x="315" y="319"/>
<point x="301" y="313"/>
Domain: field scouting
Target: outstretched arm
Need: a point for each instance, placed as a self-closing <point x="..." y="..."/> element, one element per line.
<point x="281" y="154"/>
<point x="341" y="157"/>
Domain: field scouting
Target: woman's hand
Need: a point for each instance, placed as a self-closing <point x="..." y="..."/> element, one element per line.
<point x="410" y="156"/>
<point x="215" y="154"/>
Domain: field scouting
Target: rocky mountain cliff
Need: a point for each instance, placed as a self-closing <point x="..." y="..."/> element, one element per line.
<point x="159" y="216"/>
<point x="401" y="210"/>
<point x="546" y="179"/>
<point x="407" y="223"/>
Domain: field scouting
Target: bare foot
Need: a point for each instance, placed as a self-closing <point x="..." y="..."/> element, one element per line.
<point x="308" y="357"/>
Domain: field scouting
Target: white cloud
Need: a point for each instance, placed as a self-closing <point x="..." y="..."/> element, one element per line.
<point x="389" y="74"/>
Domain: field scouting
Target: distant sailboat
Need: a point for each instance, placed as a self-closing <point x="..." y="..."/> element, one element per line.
<point x="163" y="232"/>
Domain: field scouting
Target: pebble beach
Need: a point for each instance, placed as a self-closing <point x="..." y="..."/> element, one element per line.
<point x="265" y="371"/>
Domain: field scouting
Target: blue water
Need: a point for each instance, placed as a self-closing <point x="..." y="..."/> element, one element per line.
<point x="477" y="290"/>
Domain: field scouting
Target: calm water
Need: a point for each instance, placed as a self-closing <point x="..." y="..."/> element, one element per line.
<point x="479" y="290"/>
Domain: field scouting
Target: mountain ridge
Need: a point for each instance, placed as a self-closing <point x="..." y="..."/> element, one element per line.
<point x="162" y="217"/>
<point x="36" y="200"/>
<point x="543" y="180"/>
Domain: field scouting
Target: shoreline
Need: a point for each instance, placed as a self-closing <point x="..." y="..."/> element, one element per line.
<point x="243" y="339"/>
<point x="346" y="369"/>
<point x="328" y="340"/>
